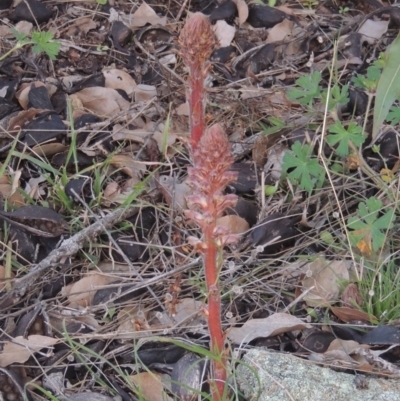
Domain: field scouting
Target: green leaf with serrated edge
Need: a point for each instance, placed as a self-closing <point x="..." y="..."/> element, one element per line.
<point x="393" y="116"/>
<point x="337" y="96"/>
<point x="42" y="42"/>
<point x="20" y="36"/>
<point x="310" y="89"/>
<point x="339" y="134"/>
<point x="367" y="223"/>
<point x="305" y="168"/>
<point x="388" y="89"/>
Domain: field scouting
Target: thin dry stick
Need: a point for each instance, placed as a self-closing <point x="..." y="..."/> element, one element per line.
<point x="71" y="246"/>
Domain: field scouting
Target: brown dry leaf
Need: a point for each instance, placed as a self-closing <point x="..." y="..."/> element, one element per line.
<point x="140" y="135"/>
<point x="82" y="292"/>
<point x="83" y="25"/>
<point x="144" y="93"/>
<point x="224" y="33"/>
<point x="175" y="193"/>
<point x="243" y="10"/>
<point x="347" y="314"/>
<point x="281" y="31"/>
<point x="23" y="92"/>
<point x="9" y="191"/>
<point x="189" y="310"/>
<point x="49" y="149"/>
<point x="17" y="122"/>
<point x="182" y="109"/>
<point x="118" y="79"/>
<point x="24" y="27"/>
<point x="146" y="15"/>
<point x="20" y="349"/>
<point x="5" y="32"/>
<point x="3" y="280"/>
<point x="348" y="346"/>
<point x="271" y="326"/>
<point x="235" y="224"/>
<point x="322" y="280"/>
<point x="151" y="386"/>
<point x="100" y="101"/>
<point x="127" y="164"/>
<point x="114" y="193"/>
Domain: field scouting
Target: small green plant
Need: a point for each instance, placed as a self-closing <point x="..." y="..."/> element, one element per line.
<point x="101" y="2"/>
<point x="369" y="81"/>
<point x="343" y="10"/>
<point x="380" y="291"/>
<point x="370" y="225"/>
<point x="306" y="169"/>
<point x="337" y="96"/>
<point x="42" y="42"/>
<point x="393" y="116"/>
<point x="308" y="89"/>
<point x="343" y="137"/>
<point x="275" y="125"/>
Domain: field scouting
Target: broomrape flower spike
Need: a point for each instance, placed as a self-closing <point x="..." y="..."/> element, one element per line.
<point x="209" y="176"/>
<point x="196" y="41"/>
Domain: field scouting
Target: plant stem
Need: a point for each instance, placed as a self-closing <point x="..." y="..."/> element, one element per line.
<point x="214" y="315"/>
<point x="196" y="104"/>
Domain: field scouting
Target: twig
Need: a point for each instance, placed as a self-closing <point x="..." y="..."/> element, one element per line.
<point x="71" y="246"/>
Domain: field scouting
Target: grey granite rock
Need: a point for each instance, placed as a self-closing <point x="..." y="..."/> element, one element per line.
<point x="273" y="376"/>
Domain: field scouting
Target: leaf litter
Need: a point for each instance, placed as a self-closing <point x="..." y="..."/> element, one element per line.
<point x="96" y="117"/>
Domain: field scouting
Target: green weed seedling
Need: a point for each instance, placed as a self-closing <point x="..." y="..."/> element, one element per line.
<point x="308" y="89"/>
<point x="393" y="117"/>
<point x="307" y="172"/>
<point x="370" y="225"/>
<point x="42" y="42"/>
<point x="344" y="137"/>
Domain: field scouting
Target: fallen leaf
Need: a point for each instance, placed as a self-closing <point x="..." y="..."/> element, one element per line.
<point x="151" y="386"/>
<point x="224" y="33"/>
<point x="347" y="314"/>
<point x="233" y="223"/>
<point x="127" y="164"/>
<point x="146" y="15"/>
<point x="81" y="25"/>
<point x="20" y="349"/>
<point x="100" y="101"/>
<point x="281" y="31"/>
<point x="243" y="10"/>
<point x="118" y="79"/>
<point x="82" y="292"/>
<point x="9" y="191"/>
<point x="373" y="30"/>
<point x="271" y="326"/>
<point x="322" y="280"/>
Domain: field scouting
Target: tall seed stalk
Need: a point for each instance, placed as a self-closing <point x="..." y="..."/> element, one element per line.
<point x="209" y="176"/>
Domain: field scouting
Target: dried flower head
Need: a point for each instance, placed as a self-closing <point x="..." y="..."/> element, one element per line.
<point x="197" y="40"/>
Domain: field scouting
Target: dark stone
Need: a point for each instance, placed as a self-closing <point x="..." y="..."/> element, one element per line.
<point x="265" y="16"/>
<point x="36" y="12"/>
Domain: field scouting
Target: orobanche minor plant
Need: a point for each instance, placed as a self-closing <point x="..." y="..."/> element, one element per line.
<point x="210" y="152"/>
